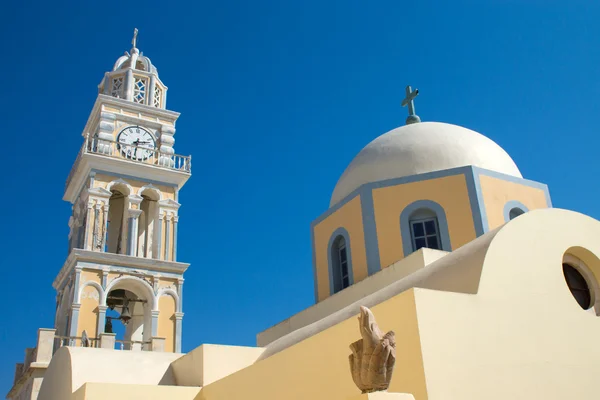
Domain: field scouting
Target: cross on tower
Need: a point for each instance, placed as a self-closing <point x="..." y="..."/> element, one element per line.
<point x="409" y="101"/>
<point x="134" y="40"/>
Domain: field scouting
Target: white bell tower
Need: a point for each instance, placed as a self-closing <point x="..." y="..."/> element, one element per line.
<point x="124" y="188"/>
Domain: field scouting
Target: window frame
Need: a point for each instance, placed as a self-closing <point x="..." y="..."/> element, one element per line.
<point x="512" y="205"/>
<point x="423" y="209"/>
<point x="336" y="274"/>
<point x="425" y="235"/>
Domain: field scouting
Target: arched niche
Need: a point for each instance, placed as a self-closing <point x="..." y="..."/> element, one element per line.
<point x="148" y="222"/>
<point x="118" y="204"/>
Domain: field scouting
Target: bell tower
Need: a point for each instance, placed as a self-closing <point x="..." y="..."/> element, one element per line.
<point x="124" y="187"/>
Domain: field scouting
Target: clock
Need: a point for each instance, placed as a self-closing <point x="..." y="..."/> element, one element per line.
<point x="136" y="143"/>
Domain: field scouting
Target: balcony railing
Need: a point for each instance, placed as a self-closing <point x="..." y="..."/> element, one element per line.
<point x="129" y="152"/>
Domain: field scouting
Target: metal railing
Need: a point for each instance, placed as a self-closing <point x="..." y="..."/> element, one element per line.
<point x="134" y="153"/>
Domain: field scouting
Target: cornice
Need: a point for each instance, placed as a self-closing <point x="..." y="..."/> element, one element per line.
<point x="103" y="99"/>
<point x="116" y="260"/>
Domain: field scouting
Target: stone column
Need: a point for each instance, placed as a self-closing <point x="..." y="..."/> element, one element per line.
<point x="151" y="90"/>
<point x="178" y="331"/>
<point x="88" y="223"/>
<point x="105" y="208"/>
<point x="98" y="224"/>
<point x="104" y="278"/>
<point x="168" y="237"/>
<point x="132" y="233"/>
<point x="101" y="319"/>
<point x="175" y="220"/>
<point x="159" y="229"/>
<point x="102" y="144"/>
<point x="155" y="323"/>
<point x="129" y="84"/>
<point x="74" y="322"/>
<point x="76" y="289"/>
<point x="107" y="84"/>
<point x="166" y="146"/>
<point x="180" y="293"/>
<point x="72" y="231"/>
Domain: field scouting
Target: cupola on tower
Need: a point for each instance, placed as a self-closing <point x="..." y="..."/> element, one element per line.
<point x="124" y="186"/>
<point x="425" y="184"/>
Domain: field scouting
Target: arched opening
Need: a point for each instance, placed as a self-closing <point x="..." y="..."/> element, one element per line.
<point x="581" y="269"/>
<point x="515" y="212"/>
<point x="424" y="230"/>
<point x="129" y="314"/>
<point x="116" y="213"/>
<point x="578" y="286"/>
<point x="513" y="209"/>
<point x="147" y="225"/>
<point x="341" y="267"/>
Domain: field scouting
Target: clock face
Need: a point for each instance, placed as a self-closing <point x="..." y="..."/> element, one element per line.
<point x="136" y="143"/>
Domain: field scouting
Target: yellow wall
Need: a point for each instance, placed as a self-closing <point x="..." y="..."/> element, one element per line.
<point x="88" y="313"/>
<point x="349" y="216"/>
<point x="209" y="362"/>
<point x="449" y="192"/>
<point x="166" y="321"/>
<point x="497" y="192"/>
<point x="317" y="368"/>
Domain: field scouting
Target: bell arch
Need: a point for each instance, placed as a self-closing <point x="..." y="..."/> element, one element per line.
<point x="135" y="297"/>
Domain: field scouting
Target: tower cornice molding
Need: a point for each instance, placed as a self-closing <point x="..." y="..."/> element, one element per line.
<point x="99" y="193"/>
<point x="102" y="260"/>
<point x="169" y="204"/>
<point x="125" y="105"/>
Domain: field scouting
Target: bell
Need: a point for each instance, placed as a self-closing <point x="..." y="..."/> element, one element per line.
<point x="125" y="315"/>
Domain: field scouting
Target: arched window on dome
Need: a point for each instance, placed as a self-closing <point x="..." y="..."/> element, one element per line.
<point x="424" y="230"/>
<point x="423" y="224"/>
<point x="512" y="209"/>
<point x="340" y="261"/>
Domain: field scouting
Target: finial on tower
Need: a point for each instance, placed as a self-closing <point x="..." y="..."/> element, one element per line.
<point x="134" y="40"/>
<point x="409" y="101"/>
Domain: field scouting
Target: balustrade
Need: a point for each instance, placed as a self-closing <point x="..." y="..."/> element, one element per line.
<point x="139" y="154"/>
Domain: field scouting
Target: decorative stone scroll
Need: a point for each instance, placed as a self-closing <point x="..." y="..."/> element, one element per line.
<point x="373" y="357"/>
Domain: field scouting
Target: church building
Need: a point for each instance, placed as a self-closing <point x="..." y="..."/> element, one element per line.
<point x="491" y="292"/>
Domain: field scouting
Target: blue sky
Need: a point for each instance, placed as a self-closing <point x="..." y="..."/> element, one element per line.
<point x="276" y="99"/>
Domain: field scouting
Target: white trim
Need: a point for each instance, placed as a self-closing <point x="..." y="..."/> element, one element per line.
<point x="169" y="292"/>
<point x="121" y="182"/>
<point x="102" y="301"/>
<point x="150" y="297"/>
<point x="150" y="187"/>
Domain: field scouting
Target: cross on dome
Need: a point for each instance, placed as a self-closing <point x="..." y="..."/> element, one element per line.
<point x="409" y="101"/>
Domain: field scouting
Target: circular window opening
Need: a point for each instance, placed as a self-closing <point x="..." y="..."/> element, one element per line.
<point x="578" y="286"/>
